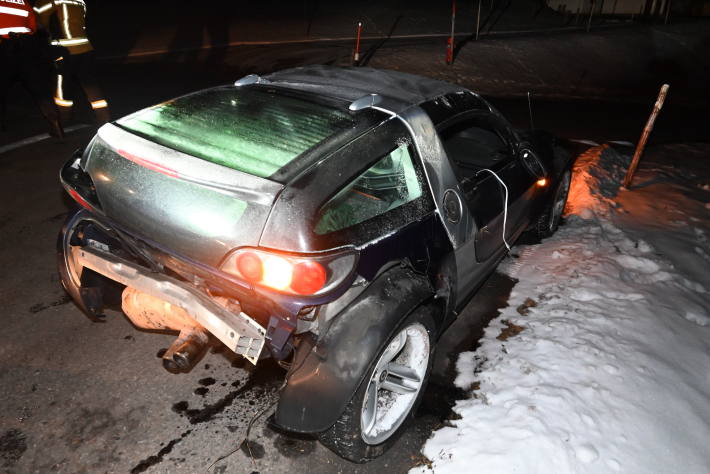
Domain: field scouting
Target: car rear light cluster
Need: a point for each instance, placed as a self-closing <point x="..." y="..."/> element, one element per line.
<point x="287" y="273"/>
<point x="78" y="183"/>
<point x="79" y="199"/>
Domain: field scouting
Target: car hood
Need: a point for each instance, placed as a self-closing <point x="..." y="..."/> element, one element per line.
<point x="195" y="208"/>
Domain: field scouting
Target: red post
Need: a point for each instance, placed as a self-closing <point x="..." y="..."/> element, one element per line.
<point x="356" y="56"/>
<point x="450" y="44"/>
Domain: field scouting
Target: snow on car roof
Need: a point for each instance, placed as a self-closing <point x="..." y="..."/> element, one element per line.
<point x="351" y="83"/>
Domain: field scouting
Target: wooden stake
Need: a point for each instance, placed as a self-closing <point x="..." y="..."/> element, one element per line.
<point x="644" y="136"/>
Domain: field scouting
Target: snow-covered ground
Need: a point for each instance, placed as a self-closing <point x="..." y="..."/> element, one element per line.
<point x="601" y="361"/>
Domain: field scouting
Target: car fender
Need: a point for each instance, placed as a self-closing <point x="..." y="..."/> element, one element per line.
<point x="325" y="374"/>
<point x="73" y="289"/>
<point x="94" y="292"/>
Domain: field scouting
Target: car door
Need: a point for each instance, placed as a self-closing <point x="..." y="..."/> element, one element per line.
<point x="481" y="149"/>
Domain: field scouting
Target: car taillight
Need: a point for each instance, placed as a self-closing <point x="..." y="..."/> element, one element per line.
<point x="308" y="277"/>
<point x="250" y="266"/>
<point x="79" y="184"/>
<point x="278" y="273"/>
<point x="290" y="274"/>
<point x="80" y="200"/>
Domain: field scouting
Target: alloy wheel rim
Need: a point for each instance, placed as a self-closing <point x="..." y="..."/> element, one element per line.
<point x="395" y="384"/>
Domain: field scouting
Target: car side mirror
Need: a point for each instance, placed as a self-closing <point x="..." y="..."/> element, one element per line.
<point x="531" y="162"/>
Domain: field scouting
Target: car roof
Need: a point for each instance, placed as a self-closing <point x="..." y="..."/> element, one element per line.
<point x="351" y="83"/>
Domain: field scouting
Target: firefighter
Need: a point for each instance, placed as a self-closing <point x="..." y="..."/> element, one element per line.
<point x="75" y="57"/>
<point x="24" y="57"/>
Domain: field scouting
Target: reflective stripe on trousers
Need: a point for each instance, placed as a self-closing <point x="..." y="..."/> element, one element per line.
<point x="59" y="98"/>
<point x="70" y="42"/>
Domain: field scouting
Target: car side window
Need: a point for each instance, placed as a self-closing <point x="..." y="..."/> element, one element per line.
<point x="473" y="145"/>
<point x="387" y="185"/>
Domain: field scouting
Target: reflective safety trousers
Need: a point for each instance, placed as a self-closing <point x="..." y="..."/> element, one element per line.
<point x="16" y="16"/>
<point x="71" y="16"/>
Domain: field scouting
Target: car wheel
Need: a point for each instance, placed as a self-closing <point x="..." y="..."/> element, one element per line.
<point x="549" y="220"/>
<point x="389" y="395"/>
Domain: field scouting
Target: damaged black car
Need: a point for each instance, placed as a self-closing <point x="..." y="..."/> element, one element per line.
<point x="335" y="219"/>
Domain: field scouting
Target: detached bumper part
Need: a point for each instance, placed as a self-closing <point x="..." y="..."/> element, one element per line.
<point x="239" y="333"/>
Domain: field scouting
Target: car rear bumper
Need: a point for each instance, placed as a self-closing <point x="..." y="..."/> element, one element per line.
<point x="239" y="332"/>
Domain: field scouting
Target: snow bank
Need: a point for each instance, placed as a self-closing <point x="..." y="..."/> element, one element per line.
<point x="671" y="191"/>
<point x="610" y="371"/>
<point x="595" y="186"/>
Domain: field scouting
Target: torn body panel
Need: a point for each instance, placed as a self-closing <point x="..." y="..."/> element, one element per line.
<point x="81" y="253"/>
<point x="239" y="333"/>
<point x="326" y="374"/>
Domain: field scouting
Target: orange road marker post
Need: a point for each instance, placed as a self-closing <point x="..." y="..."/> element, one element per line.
<point x="356" y="55"/>
<point x="450" y="44"/>
<point x="644" y="136"/>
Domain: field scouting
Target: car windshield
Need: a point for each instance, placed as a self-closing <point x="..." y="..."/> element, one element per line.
<point x="250" y="130"/>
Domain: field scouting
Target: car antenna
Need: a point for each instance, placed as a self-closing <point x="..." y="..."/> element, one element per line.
<point x="532" y="126"/>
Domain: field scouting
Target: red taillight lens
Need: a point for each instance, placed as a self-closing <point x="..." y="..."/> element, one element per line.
<point x="288" y="273"/>
<point x="249" y="265"/>
<point x="77" y="197"/>
<point x="308" y="277"/>
<point x="278" y="273"/>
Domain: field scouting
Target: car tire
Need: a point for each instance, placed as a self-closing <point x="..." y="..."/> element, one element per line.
<point x="403" y="363"/>
<point x="548" y="222"/>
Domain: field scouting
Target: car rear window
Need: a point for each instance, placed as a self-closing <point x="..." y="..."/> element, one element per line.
<point x="250" y="130"/>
